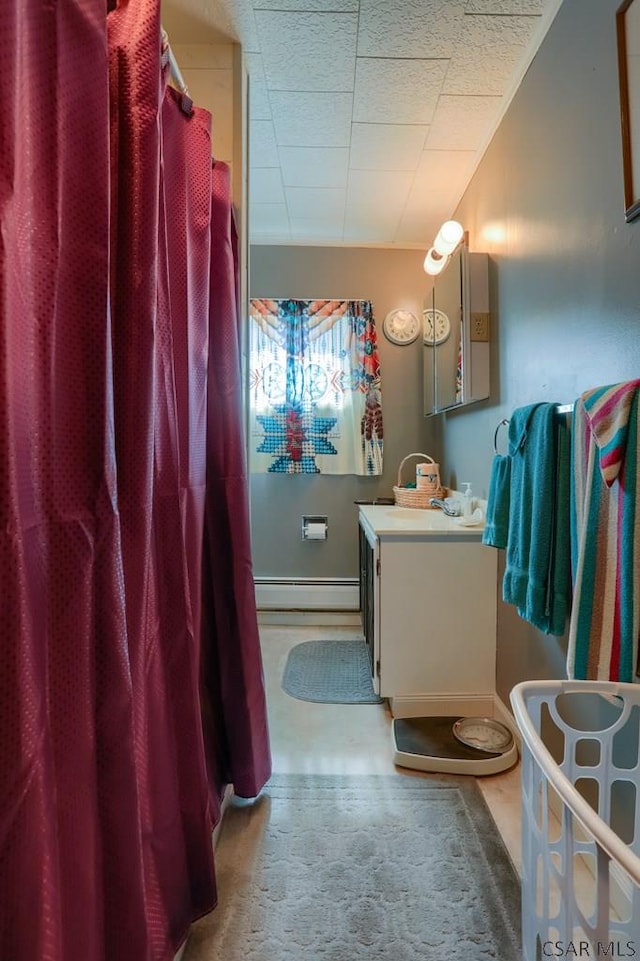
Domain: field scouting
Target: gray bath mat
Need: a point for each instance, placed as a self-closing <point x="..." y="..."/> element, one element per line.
<point x="365" y="868"/>
<point x="330" y="672"/>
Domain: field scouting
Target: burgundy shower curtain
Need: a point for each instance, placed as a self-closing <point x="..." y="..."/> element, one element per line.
<point x="232" y="671"/>
<point x="105" y="253"/>
<point x="151" y="194"/>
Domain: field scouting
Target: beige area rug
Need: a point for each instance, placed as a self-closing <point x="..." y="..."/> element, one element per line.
<point x="347" y="868"/>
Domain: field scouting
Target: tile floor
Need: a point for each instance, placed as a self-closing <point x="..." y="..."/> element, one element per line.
<point x="348" y="739"/>
<point x="354" y="739"/>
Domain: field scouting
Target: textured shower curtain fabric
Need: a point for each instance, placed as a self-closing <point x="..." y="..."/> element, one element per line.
<point x="105" y="205"/>
<point x="232" y="664"/>
<point x="63" y="663"/>
<point x="183" y="315"/>
<point x="315" y="388"/>
<point x="70" y="846"/>
<point x="151" y="415"/>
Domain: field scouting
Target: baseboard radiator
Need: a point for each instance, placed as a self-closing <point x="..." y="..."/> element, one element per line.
<point x="307" y="594"/>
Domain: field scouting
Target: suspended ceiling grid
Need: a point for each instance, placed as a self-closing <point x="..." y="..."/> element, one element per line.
<point x="368" y="117"/>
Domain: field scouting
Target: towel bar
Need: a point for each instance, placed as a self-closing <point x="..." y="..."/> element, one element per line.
<point x="503" y="423"/>
<point x="560" y="409"/>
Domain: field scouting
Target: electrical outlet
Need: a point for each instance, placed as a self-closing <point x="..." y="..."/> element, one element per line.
<point x="480" y="327"/>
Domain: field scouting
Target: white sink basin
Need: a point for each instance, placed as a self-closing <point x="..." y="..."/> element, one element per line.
<point x="413" y="521"/>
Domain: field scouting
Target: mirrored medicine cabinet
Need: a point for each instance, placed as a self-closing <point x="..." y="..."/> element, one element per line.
<point x="456" y="334"/>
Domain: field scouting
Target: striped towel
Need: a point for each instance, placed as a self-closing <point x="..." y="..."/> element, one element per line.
<point x="605" y="534"/>
<point x="608" y="410"/>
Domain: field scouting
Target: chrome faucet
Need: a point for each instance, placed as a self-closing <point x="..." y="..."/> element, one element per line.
<point x="447" y="509"/>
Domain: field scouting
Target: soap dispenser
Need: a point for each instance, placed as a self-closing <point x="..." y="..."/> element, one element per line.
<point x="467" y="500"/>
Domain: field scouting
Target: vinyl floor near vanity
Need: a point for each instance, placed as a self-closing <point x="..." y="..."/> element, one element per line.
<point x="354" y="739"/>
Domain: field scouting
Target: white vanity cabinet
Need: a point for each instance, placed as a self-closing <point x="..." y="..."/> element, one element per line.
<point x="428" y="598"/>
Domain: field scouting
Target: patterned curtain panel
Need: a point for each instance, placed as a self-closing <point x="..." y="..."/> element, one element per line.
<point x="315" y="396"/>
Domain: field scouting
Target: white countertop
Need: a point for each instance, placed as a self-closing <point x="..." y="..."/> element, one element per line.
<point x="382" y="519"/>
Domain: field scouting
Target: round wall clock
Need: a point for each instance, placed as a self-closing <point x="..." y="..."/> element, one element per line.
<point x="437" y="326"/>
<point x="401" y="326"/>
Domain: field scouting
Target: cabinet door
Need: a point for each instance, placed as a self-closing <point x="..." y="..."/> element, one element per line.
<point x="437" y="617"/>
<point x="368" y="605"/>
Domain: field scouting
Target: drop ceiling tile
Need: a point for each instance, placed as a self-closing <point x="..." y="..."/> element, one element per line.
<point x="513" y="7"/>
<point x="259" y="106"/>
<point x="397" y="90"/>
<point x="266" y="186"/>
<point x="389" y="187"/>
<point x="491" y="49"/>
<point x="263" y="151"/>
<point x="271" y="219"/>
<point x="368" y="225"/>
<point x="324" y="204"/>
<point x="308" y="51"/>
<point x="462" y="123"/>
<point x="398" y="164"/>
<point x="302" y="229"/>
<point x="435" y="164"/>
<point x="317" y="6"/>
<point x="311" y="119"/>
<point x="438" y="185"/>
<point x="420" y="226"/>
<point x="243" y="21"/>
<point x="413" y="28"/>
<point x="441" y="174"/>
<point x="420" y="231"/>
<point x="254" y="64"/>
<point x="314" y="166"/>
<point x="262" y="238"/>
<point x="386" y="146"/>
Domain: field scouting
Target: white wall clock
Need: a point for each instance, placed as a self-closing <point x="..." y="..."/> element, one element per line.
<point x="401" y="326"/>
<point x="437" y="326"/>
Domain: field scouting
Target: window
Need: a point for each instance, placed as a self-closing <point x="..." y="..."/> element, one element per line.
<point x="315" y="395"/>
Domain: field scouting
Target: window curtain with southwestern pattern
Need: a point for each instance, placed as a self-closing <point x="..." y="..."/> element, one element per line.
<point x="315" y="391"/>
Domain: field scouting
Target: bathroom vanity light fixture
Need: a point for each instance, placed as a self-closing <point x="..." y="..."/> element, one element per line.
<point x="434" y="262"/>
<point x="448" y="238"/>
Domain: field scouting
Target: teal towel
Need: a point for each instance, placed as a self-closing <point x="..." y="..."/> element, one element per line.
<point x="496" y="524"/>
<point x="560" y="585"/>
<point x="537" y="572"/>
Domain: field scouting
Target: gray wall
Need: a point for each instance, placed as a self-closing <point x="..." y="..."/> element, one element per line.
<point x="547" y="204"/>
<point x="389" y="278"/>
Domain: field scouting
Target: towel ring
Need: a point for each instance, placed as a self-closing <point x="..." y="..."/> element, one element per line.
<point x="503" y="423"/>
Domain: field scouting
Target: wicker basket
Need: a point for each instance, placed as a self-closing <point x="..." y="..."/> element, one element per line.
<point x="411" y="496"/>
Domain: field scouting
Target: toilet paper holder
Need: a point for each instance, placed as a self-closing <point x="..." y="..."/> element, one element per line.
<point x="314" y="527"/>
